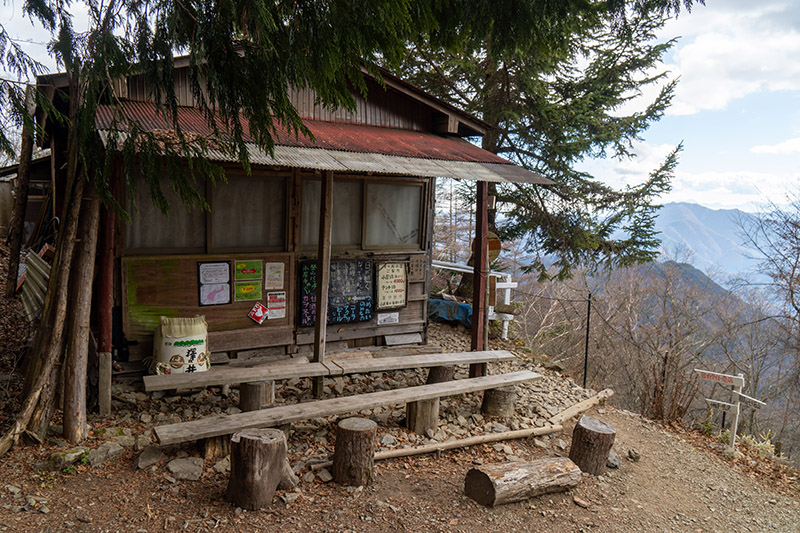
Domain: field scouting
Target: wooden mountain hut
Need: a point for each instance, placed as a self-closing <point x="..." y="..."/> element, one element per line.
<point x="341" y="223"/>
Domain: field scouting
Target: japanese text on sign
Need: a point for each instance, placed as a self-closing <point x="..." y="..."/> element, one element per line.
<point x="392" y="282"/>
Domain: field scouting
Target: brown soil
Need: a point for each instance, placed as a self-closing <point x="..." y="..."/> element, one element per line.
<point x="675" y="486"/>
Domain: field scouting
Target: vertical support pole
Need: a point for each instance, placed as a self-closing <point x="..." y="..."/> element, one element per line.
<point x="479" y="276"/>
<point x="736" y="411"/>
<point x="586" y="346"/>
<point x="506" y="301"/>
<point x="21" y="200"/>
<point x="105" y="304"/>
<point x="323" y="273"/>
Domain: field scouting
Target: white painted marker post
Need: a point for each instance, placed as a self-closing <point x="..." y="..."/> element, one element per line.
<point x="722" y="406"/>
<point x="738" y="384"/>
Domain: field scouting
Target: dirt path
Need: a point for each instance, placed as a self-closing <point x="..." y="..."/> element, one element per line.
<point x="673" y="487"/>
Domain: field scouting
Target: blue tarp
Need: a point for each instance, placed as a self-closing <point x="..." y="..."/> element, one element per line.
<point x="447" y="311"/>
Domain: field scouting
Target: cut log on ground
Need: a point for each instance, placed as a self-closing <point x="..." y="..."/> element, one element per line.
<point x="591" y="441"/>
<point x="499" y="401"/>
<point x="216" y="448"/>
<point x="580" y="407"/>
<point x="422" y="415"/>
<point x="440" y="374"/>
<point x="354" y="454"/>
<point x="257" y="467"/>
<point x="512" y="482"/>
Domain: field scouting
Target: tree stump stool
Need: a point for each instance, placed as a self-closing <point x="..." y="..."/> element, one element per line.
<point x="591" y="441"/>
<point x="499" y="401"/>
<point x="258" y="462"/>
<point x="423" y="415"/>
<point x="255" y="395"/>
<point x="354" y="453"/>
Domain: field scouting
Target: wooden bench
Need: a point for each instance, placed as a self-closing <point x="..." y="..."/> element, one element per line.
<point x="284" y="414"/>
<point x="302" y="368"/>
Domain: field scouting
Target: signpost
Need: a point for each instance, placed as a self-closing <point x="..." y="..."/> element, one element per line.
<point x="737" y="382"/>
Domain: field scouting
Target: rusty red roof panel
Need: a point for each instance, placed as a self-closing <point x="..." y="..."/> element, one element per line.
<point x="328" y="135"/>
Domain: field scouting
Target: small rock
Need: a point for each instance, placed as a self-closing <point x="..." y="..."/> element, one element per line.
<point x="388" y="440"/>
<point x="289" y="497"/>
<point x="61" y="460"/>
<point x="146" y="418"/>
<point x="150" y="456"/>
<point x="560" y="444"/>
<point x="309" y="476"/>
<point x="540" y="443"/>
<point x="324" y="475"/>
<point x="104" y="452"/>
<point x="613" y="459"/>
<point x="634" y="455"/>
<point x="44" y="509"/>
<point x="125" y="440"/>
<point x="580" y="503"/>
<point x="190" y="468"/>
<point x="223" y="465"/>
<point x="13" y="490"/>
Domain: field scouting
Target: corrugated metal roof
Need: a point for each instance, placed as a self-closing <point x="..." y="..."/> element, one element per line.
<point x="343" y="147"/>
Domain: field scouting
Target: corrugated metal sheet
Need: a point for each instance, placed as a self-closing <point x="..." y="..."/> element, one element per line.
<point x="343" y="147"/>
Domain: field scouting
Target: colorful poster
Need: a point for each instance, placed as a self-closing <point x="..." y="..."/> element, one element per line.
<point x="276" y="303"/>
<point x="245" y="291"/>
<point x="391" y="286"/>
<point x="273" y="276"/>
<point x="248" y="269"/>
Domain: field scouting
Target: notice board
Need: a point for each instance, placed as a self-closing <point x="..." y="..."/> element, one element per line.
<point x="350" y="291"/>
<point x="392" y="286"/>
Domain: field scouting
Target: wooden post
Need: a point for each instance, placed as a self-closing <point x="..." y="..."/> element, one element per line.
<point x="423" y="415"/>
<point x="354" y="453"/>
<point x="77" y="358"/>
<point x="105" y="304"/>
<point x="21" y="200"/>
<point x="104" y="383"/>
<point x="255" y="395"/>
<point x="323" y="274"/>
<point x="257" y="466"/>
<point x="499" y="401"/>
<point x="497" y="484"/>
<point x="591" y="441"/>
<point x="479" y="276"/>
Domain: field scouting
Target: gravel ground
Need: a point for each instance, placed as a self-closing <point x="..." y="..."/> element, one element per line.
<point x="679" y="484"/>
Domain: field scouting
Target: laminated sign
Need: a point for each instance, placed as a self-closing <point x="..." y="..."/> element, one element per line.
<point x="392" y="286"/>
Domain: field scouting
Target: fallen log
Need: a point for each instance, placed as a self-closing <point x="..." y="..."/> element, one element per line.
<point x="512" y="482"/>
<point x="453" y="444"/>
<point x="580" y="407"/>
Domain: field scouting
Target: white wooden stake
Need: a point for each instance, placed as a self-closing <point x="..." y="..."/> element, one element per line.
<point x="737" y="389"/>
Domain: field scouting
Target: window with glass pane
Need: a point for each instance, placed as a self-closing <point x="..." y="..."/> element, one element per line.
<point x="150" y="229"/>
<point x="346" y="224"/>
<point x="393" y="214"/>
<point x="248" y="212"/>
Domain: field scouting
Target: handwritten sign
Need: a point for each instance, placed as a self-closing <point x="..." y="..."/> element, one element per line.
<point x="245" y="291"/>
<point x="214" y="283"/>
<point x="417" y="267"/>
<point x="392" y="282"/>
<point x="276" y="303"/>
<point x="349" y="292"/>
<point x="748" y="401"/>
<point x="723" y="379"/>
<point x="247" y="269"/>
<point x="273" y="276"/>
<point x="722" y="406"/>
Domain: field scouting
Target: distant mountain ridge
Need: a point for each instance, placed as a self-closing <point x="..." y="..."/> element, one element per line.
<point x="711" y="236"/>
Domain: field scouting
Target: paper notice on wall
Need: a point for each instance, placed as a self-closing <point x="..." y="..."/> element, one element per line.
<point x="215" y="294"/>
<point x="217" y="272"/>
<point x="273" y="276"/>
<point x="391" y="285"/>
<point x="276" y="304"/>
<point x="388" y="318"/>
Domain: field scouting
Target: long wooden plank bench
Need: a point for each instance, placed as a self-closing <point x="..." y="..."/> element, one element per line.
<point x="284" y="414"/>
<point x="287" y="370"/>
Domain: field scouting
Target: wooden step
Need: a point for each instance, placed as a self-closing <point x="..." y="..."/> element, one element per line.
<point x="333" y="367"/>
<point x="284" y="414"/>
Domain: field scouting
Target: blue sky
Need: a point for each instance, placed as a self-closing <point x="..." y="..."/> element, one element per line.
<point x="736" y="109"/>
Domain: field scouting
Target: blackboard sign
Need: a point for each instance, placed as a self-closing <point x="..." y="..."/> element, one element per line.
<point x="349" y="292"/>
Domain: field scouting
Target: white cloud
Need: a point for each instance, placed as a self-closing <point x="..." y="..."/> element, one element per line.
<point x="790" y="146"/>
<point x="729" y="50"/>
